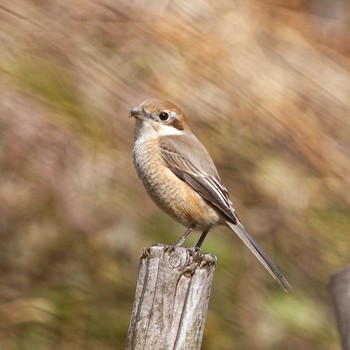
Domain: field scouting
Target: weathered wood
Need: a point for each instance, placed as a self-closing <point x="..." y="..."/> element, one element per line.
<point x="340" y="290"/>
<point x="171" y="300"/>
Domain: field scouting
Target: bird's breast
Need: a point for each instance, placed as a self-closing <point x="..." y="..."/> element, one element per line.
<point x="169" y="192"/>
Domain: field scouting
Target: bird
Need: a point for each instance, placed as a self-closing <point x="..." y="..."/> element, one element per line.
<point x="181" y="178"/>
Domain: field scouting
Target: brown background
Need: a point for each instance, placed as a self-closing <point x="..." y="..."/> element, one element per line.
<point x="266" y="86"/>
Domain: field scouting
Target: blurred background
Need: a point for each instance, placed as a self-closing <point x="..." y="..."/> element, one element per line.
<point x="266" y="87"/>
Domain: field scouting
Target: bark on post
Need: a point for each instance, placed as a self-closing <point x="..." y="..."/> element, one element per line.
<point x="340" y="291"/>
<point x="171" y="300"/>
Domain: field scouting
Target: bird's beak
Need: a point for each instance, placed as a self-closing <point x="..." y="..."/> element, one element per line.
<point x="136" y="112"/>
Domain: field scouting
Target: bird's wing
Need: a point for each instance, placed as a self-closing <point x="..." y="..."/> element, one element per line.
<point x="187" y="158"/>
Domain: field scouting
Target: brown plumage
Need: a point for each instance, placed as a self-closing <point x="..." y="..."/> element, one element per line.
<point x="181" y="178"/>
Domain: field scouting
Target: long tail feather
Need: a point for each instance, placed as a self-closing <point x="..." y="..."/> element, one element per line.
<point x="244" y="235"/>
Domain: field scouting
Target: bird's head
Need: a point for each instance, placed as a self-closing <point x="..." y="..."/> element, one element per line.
<point x="156" y="117"/>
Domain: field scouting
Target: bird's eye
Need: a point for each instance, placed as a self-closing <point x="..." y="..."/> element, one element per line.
<point x="163" y="116"/>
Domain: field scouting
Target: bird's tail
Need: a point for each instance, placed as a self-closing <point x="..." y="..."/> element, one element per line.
<point x="244" y="235"/>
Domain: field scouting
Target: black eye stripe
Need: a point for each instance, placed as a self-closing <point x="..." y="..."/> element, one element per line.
<point x="163" y="116"/>
<point x="176" y="123"/>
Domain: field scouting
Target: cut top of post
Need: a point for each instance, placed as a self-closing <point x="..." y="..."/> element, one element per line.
<point x="172" y="296"/>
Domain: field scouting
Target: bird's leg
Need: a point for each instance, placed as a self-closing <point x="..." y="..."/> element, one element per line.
<point x="202" y="237"/>
<point x="180" y="242"/>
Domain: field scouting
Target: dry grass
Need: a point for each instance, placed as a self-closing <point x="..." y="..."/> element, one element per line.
<point x="266" y="86"/>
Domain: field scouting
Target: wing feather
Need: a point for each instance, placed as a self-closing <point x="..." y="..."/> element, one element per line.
<point x="197" y="169"/>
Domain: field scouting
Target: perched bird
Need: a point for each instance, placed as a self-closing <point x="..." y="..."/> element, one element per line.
<point x="181" y="178"/>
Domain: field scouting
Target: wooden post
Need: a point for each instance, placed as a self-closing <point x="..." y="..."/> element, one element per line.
<point x="171" y="300"/>
<point x="340" y="291"/>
